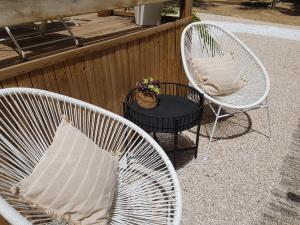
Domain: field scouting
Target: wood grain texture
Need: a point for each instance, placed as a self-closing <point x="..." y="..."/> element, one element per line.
<point x="186" y="8"/>
<point x="104" y="76"/>
<point x="53" y="59"/>
<point x="27" y="11"/>
<point x="3" y="221"/>
<point x="24" y="80"/>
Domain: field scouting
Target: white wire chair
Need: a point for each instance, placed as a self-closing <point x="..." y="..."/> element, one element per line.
<point x="148" y="191"/>
<point x="204" y="40"/>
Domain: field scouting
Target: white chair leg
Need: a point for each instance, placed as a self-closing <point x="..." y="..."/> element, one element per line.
<point x="212" y="133"/>
<point x="269" y="122"/>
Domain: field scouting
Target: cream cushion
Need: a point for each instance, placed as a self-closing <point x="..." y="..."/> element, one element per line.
<point x="217" y="76"/>
<point x="74" y="181"/>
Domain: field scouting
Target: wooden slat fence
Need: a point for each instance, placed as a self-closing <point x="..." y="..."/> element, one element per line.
<point x="103" y="73"/>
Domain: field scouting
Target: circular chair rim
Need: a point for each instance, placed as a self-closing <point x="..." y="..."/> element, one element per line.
<point x="13" y="215"/>
<point x="210" y="98"/>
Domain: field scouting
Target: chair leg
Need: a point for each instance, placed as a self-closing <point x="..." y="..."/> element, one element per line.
<point x="70" y="32"/>
<point x="18" y="47"/>
<point x="213" y="132"/>
<point x="269" y="122"/>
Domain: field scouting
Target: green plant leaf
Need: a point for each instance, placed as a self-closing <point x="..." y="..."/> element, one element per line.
<point x="156" y="90"/>
<point x="209" y="44"/>
<point x="195" y="18"/>
<point x="145" y="81"/>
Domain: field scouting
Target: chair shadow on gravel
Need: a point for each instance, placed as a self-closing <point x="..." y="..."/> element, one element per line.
<point x="227" y="128"/>
<point x="284" y="202"/>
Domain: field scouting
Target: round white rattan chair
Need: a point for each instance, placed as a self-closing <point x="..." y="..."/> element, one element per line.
<point x="205" y="39"/>
<point x="148" y="190"/>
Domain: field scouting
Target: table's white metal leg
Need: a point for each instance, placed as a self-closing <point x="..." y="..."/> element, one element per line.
<point x="213" y="131"/>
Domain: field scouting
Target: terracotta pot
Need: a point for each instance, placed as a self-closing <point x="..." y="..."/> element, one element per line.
<point x="146" y="100"/>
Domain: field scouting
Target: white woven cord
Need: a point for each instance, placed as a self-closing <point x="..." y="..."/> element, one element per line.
<point x="148" y="190"/>
<point x="193" y="44"/>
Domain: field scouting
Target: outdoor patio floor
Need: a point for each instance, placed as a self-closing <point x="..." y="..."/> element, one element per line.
<point x="243" y="182"/>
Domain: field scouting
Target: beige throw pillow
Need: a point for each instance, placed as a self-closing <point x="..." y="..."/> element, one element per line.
<point x="74" y="181"/>
<point x="217" y="76"/>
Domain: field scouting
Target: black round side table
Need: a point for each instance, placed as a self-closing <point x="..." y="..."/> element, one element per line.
<point x="180" y="107"/>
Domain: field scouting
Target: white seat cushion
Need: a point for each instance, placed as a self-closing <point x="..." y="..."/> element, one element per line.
<point x="74" y="181"/>
<point x="217" y="76"/>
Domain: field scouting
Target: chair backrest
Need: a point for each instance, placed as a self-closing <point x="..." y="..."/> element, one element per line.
<point x="203" y="40"/>
<point x="28" y="122"/>
<point x="27" y="11"/>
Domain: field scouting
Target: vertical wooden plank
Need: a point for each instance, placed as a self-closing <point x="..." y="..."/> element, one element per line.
<point x="186" y="8"/>
<point x="72" y="80"/>
<point x="3" y="221"/>
<point x="10" y="83"/>
<point x="114" y="80"/>
<point x="161" y="55"/>
<point x="151" y="56"/>
<point x="62" y="79"/>
<point x="50" y="79"/>
<point x="109" y="89"/>
<point x="100" y="78"/>
<point x="143" y="57"/>
<point x="120" y="77"/>
<point x="171" y="56"/>
<point x="37" y="79"/>
<point x="92" y="80"/>
<point x="133" y="62"/>
<point x="181" y="76"/>
<point x="77" y="79"/>
<point x="156" y="46"/>
<point x="81" y="76"/>
<point x="24" y="80"/>
<point x="125" y="73"/>
<point x="147" y="57"/>
<point x="164" y="54"/>
<point x="137" y="61"/>
<point x="177" y="52"/>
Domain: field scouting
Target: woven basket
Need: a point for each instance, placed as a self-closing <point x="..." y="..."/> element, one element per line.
<point x="146" y="100"/>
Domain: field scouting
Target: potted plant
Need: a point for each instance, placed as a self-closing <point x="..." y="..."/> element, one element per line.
<point x="148" y="15"/>
<point x="147" y="91"/>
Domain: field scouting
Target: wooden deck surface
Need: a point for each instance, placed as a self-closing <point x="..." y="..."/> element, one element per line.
<point x="90" y="28"/>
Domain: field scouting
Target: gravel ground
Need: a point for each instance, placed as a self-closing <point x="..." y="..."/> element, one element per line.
<point x="265" y="30"/>
<point x="206" y="16"/>
<point x="236" y="185"/>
